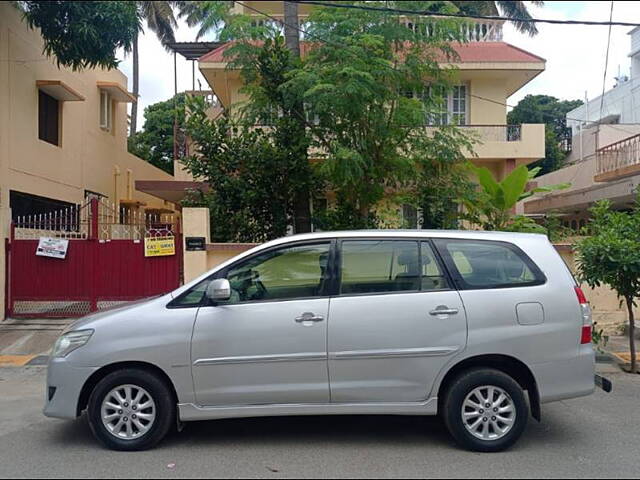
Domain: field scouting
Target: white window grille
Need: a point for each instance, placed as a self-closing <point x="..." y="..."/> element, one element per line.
<point x="445" y="107"/>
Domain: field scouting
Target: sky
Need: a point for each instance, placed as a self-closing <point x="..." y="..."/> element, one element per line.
<point x="575" y="54"/>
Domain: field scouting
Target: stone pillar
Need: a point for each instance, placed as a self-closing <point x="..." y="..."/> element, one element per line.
<point x="5" y="219"/>
<point x="195" y="223"/>
<point x="509" y="166"/>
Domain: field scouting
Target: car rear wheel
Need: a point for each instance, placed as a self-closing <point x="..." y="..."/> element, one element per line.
<point x="131" y="409"/>
<point x="485" y="410"/>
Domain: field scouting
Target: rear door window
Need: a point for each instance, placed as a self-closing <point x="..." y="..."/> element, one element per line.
<point x="379" y="266"/>
<point x="478" y="264"/>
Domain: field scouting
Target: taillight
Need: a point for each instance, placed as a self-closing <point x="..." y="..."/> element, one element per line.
<point x="581" y="298"/>
<point x="585" y="309"/>
<point x="586" y="335"/>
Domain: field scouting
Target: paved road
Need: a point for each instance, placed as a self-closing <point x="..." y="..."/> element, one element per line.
<point x="593" y="437"/>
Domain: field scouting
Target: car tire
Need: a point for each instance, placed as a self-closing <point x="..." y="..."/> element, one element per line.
<point x="475" y="426"/>
<point x="131" y="409"/>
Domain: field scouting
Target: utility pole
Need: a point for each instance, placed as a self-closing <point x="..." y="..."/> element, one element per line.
<point x="291" y="35"/>
<point x="302" y="207"/>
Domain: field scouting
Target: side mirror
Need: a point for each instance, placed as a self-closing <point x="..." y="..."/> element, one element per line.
<point x="219" y="290"/>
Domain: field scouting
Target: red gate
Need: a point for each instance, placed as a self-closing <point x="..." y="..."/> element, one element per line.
<point x="105" y="263"/>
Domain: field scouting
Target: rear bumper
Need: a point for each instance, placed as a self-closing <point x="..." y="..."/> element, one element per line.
<point x="566" y="379"/>
<point x="65" y="382"/>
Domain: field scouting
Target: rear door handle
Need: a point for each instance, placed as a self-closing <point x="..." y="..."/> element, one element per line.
<point x="309" y="317"/>
<point x="443" y="310"/>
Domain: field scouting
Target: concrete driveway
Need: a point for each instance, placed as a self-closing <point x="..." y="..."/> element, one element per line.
<point x="597" y="436"/>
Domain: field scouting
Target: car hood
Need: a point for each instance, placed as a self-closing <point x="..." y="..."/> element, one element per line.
<point x="109" y="314"/>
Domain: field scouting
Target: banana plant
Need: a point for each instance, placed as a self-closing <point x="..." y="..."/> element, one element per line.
<point x="492" y="207"/>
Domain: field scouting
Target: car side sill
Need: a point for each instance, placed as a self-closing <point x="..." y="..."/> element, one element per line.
<point x="190" y="412"/>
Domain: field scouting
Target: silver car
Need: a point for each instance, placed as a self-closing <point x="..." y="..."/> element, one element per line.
<point x="481" y="328"/>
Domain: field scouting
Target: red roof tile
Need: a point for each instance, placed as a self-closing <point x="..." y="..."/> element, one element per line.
<point x="475" y="52"/>
<point x="498" y="52"/>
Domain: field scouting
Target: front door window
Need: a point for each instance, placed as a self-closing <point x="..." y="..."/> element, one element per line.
<point x="288" y="273"/>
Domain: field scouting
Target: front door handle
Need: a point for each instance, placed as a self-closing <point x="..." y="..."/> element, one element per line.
<point x="309" y="317"/>
<point x="443" y="310"/>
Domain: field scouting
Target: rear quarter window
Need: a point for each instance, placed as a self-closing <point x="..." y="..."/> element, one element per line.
<point x="481" y="264"/>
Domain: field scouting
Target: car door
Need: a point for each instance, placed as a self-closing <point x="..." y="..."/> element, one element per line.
<point x="511" y="305"/>
<point x="395" y="323"/>
<point x="267" y="344"/>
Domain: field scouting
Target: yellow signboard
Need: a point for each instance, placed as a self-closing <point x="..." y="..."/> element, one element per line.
<point x="159" y="246"/>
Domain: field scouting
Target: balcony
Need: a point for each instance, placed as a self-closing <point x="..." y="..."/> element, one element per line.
<point x="524" y="141"/>
<point x="618" y="160"/>
<point x="495" y="133"/>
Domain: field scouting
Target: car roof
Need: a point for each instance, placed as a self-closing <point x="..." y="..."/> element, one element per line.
<point x="412" y="233"/>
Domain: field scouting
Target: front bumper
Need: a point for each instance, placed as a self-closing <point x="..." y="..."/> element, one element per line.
<point x="67" y="381"/>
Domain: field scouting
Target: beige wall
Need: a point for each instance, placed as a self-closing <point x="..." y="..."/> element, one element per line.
<point x="483" y="112"/>
<point x="221" y="252"/>
<point x="195" y="223"/>
<point x="87" y="158"/>
<point x="607" y="312"/>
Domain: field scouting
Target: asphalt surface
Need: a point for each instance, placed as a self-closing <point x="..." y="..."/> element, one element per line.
<point x="597" y="436"/>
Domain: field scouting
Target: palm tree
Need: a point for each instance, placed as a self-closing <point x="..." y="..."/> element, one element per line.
<point x="509" y="9"/>
<point x="160" y="20"/>
<point x="209" y="16"/>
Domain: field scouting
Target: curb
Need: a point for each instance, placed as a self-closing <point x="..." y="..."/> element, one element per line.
<point x="23" y="360"/>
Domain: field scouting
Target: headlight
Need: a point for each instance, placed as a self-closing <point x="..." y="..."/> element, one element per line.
<point x="68" y="342"/>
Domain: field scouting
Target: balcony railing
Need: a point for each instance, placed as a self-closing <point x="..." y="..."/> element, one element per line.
<point x="474" y="31"/>
<point x="492" y="133"/>
<point x="618" y="159"/>
<point x="477" y="31"/>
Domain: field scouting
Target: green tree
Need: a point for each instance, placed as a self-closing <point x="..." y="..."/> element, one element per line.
<point x="443" y="182"/>
<point x="265" y="69"/>
<point x="161" y="21"/>
<point x="154" y="143"/>
<point x="368" y="101"/>
<point x="83" y="34"/>
<point x="249" y="173"/>
<point x="611" y="256"/>
<point x="492" y="208"/>
<point x="552" y="112"/>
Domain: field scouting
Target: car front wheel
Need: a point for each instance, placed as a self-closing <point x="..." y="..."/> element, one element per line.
<point x="131" y="409"/>
<point x="485" y="410"/>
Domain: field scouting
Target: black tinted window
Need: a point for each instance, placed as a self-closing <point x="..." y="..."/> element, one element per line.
<point x="48" y="118"/>
<point x="376" y="266"/>
<point x="486" y="264"/>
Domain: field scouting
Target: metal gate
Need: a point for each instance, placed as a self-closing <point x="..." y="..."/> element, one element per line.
<point x="105" y="263"/>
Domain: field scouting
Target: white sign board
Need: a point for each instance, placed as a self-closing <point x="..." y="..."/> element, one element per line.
<point x="52" y="247"/>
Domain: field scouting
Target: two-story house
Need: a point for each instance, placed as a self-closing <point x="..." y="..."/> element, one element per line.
<point x="489" y="71"/>
<point x="63" y="135"/>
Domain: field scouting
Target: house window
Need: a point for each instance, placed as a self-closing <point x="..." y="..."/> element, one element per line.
<point x="409" y="216"/>
<point x="444" y="107"/>
<point x="459" y="105"/>
<point x="269" y="116"/>
<point x="48" y="118"/>
<point x="106" y="114"/>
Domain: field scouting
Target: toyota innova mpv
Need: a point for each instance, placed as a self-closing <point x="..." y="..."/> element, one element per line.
<point x="481" y="328"/>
